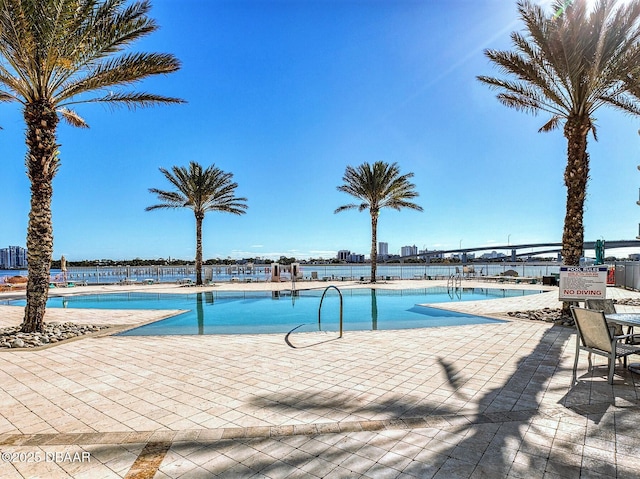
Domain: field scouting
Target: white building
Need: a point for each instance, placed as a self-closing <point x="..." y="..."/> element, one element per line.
<point x="343" y="254"/>
<point x="431" y="254"/>
<point x="355" y="258"/>
<point x="409" y="250"/>
<point x="493" y="255"/>
<point x="383" y="250"/>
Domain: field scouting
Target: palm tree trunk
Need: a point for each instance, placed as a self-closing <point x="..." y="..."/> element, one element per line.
<point x="576" y="176"/>
<point x="374" y="245"/>
<point x="42" y="162"/>
<point x="199" y="218"/>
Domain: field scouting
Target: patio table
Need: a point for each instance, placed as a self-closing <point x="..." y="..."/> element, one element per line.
<point x="630" y="320"/>
<point x="624" y="319"/>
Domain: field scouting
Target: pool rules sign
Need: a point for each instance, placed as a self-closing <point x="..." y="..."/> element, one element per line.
<point x="580" y="283"/>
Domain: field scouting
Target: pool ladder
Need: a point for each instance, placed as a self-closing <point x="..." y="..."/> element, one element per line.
<point x="320" y="307"/>
<point x="454" y="281"/>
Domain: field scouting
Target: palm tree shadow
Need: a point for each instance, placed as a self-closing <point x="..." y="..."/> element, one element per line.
<point x="454" y="377"/>
<point x="508" y="433"/>
<point x="593" y="397"/>
<point x="505" y="432"/>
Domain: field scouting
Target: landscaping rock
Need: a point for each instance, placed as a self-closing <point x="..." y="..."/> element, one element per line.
<point x="547" y="315"/>
<point x="555" y="315"/>
<point x="628" y="301"/>
<point x="54" y="332"/>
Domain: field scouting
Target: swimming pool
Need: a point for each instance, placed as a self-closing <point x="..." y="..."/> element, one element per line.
<point x="223" y="312"/>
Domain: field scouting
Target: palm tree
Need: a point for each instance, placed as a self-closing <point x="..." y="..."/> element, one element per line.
<point x="377" y="186"/>
<point x="569" y="63"/>
<point x="201" y="191"/>
<point x="54" y="54"/>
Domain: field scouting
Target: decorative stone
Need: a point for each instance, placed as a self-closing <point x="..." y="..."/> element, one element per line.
<point x="12" y="337"/>
<point x="555" y="315"/>
<point x="547" y="315"/>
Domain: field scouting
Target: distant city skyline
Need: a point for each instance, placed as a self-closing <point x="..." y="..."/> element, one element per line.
<point x="285" y="95"/>
<point x="13" y="257"/>
<point x="8" y="255"/>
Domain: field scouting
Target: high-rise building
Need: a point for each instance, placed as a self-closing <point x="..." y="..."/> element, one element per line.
<point x="343" y="254"/>
<point x="355" y="258"/>
<point x="409" y="250"/>
<point x="431" y="254"/>
<point x="13" y="257"/>
<point x="383" y="249"/>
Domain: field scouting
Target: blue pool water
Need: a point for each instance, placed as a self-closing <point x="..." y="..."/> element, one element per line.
<point x="221" y="312"/>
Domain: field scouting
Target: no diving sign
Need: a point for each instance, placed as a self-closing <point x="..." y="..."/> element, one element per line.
<point x="580" y="283"/>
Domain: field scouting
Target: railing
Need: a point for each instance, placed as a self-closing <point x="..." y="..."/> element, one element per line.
<point x="262" y="272"/>
<point x="320" y="307"/>
<point x="454" y="281"/>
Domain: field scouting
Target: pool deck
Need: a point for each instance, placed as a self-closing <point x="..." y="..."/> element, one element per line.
<point x="478" y="401"/>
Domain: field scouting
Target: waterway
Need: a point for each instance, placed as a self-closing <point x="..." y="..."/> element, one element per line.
<point x="329" y="272"/>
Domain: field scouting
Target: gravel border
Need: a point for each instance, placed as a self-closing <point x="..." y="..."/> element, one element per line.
<point x="54" y="332"/>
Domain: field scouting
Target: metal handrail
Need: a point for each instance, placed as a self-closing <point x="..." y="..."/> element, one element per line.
<point x="320" y="307"/>
<point x="454" y="281"/>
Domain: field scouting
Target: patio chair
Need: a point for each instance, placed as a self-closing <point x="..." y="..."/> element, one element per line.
<point x="607" y="307"/>
<point x="594" y="336"/>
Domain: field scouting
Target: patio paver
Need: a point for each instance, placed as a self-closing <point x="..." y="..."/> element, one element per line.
<point x="491" y="400"/>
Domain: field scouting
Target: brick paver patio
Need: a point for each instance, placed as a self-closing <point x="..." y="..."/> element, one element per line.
<point x="491" y="400"/>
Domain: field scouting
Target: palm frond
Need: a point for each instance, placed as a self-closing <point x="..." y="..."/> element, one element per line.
<point x="171" y="199"/>
<point x="130" y="100"/>
<point x="346" y="207"/>
<point x="570" y="62"/>
<point x="378" y="186"/>
<point x="523" y="96"/>
<point x="72" y="118"/>
<point x="70" y="51"/>
<point x="628" y="102"/>
<point x="201" y="190"/>
<point x="552" y="124"/>
<point x="6" y="97"/>
<point x="119" y="72"/>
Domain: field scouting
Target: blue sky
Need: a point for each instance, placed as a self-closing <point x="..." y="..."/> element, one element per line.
<point x="285" y="95"/>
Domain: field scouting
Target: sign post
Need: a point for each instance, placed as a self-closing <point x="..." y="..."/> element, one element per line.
<point x="580" y="283"/>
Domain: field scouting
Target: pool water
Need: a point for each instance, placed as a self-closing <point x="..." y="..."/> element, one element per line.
<point x="221" y="312"/>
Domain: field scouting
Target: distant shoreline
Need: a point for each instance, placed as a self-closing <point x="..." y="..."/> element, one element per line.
<point x="247" y="273"/>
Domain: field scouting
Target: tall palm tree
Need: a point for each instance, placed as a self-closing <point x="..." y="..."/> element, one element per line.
<point x="201" y="191"/>
<point x="568" y="63"/>
<point x="377" y="186"/>
<point x="57" y="53"/>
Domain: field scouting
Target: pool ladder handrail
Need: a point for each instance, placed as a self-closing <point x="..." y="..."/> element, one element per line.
<point x="454" y="281"/>
<point x="322" y="299"/>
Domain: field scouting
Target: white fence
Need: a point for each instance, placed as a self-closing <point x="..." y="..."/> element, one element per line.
<point x="628" y="274"/>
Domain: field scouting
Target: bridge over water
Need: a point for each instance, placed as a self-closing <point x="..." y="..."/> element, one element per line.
<point x="541" y="248"/>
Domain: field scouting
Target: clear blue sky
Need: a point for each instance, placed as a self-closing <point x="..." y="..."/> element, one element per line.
<point x="285" y="95"/>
